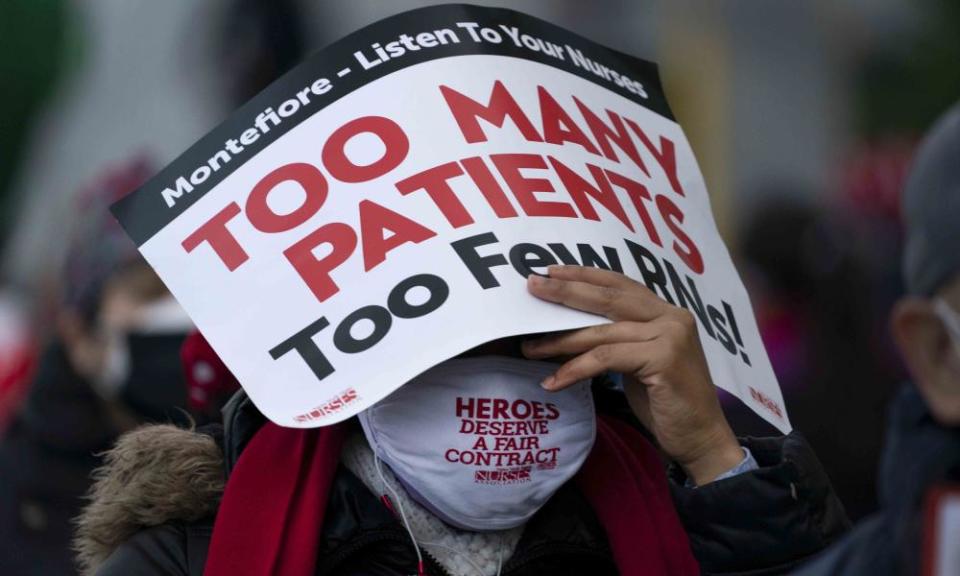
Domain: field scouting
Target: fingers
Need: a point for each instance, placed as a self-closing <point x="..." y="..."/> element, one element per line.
<point x="602" y="300"/>
<point x="579" y="341"/>
<point x="591" y="275"/>
<point x="618" y="298"/>
<point x="622" y="357"/>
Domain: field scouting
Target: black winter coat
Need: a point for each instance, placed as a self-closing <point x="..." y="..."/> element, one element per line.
<point x="762" y="522"/>
<point x="45" y="463"/>
<point x="919" y="455"/>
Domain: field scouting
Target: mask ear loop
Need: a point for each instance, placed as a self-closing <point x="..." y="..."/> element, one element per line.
<point x="420" y="568"/>
<point x="499" y="554"/>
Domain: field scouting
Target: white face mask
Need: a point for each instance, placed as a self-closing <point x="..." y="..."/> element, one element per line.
<point x="479" y="443"/>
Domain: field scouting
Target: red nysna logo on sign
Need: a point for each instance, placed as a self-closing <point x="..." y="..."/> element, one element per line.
<point x="335" y="404"/>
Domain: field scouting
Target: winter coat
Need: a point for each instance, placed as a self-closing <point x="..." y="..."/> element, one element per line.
<point x="919" y="456"/>
<point x="153" y="506"/>
<point x="45" y="463"/>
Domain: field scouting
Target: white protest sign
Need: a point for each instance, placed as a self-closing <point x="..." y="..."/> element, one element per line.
<point x="377" y="210"/>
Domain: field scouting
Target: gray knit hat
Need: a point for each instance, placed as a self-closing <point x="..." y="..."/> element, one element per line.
<point x="931" y="208"/>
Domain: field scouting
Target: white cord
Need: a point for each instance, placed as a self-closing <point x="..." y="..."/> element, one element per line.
<point x="396" y="498"/>
<point x="406" y="524"/>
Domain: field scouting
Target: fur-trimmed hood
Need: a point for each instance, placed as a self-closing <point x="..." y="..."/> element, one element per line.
<point x="153" y="475"/>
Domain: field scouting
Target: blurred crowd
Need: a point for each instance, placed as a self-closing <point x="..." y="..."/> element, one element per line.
<point x="804" y="142"/>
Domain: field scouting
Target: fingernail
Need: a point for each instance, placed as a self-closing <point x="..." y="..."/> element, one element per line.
<point x="535" y="279"/>
<point x="548" y="383"/>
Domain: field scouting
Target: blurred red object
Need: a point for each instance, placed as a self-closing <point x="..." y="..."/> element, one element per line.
<point x="18" y="357"/>
<point x="875" y="174"/>
<point x="209" y="382"/>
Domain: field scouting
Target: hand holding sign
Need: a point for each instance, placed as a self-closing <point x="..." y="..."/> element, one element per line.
<point x="655" y="346"/>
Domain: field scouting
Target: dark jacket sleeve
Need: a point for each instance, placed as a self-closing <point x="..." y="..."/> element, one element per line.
<point x="871" y="548"/>
<point x="766" y="521"/>
<point x="168" y="550"/>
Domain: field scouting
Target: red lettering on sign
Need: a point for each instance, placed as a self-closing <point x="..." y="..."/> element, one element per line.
<point x="214" y="232"/>
<point x="435" y="182"/>
<point x="683" y="246"/>
<point x="467" y="111"/>
<point x="558" y="126"/>
<point x="524" y="188"/>
<point x="314" y="271"/>
<point x="374" y="221"/>
<point x="307" y="176"/>
<point x="343" y="169"/>
<point x="580" y="189"/>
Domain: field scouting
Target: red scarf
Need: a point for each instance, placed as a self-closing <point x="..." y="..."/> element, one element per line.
<point x="272" y="511"/>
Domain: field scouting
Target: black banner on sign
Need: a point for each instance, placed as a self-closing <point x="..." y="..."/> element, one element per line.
<point x="373" y="52"/>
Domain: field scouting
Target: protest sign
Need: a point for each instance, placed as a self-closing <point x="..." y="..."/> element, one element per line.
<point x="376" y="211"/>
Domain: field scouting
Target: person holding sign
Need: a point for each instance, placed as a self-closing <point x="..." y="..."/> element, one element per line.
<point x="764" y="506"/>
<point x="464" y="266"/>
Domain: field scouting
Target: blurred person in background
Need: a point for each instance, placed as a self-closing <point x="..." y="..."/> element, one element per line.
<point x="812" y="297"/>
<point x="112" y="364"/>
<point x="922" y="453"/>
<point x="32" y="38"/>
<point x="137" y="83"/>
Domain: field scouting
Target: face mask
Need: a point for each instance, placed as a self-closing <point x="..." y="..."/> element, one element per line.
<point x="155" y="386"/>
<point x="142" y="366"/>
<point x="479" y="443"/>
